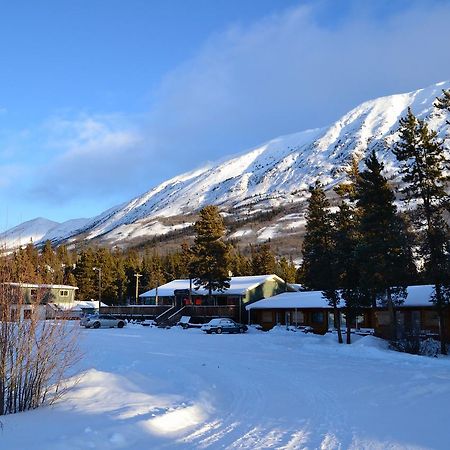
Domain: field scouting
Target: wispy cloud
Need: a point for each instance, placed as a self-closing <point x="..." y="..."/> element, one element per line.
<point x="90" y="155"/>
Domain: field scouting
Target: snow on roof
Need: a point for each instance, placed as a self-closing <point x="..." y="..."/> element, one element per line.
<point x="291" y="300"/>
<point x="238" y="286"/>
<point x="79" y="305"/>
<point x="42" y="286"/>
<point x="417" y="296"/>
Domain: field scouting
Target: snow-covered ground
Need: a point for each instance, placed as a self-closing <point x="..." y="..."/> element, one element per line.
<point x="149" y="388"/>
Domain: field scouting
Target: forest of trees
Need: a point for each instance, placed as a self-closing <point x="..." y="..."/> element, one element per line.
<point x="118" y="284"/>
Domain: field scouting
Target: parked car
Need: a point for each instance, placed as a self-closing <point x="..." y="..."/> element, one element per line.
<point x="223" y="326"/>
<point x="102" y="321"/>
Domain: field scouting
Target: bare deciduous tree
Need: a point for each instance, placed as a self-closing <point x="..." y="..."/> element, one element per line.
<point x="35" y="354"/>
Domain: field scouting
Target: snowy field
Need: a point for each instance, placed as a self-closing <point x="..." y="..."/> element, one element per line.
<point x="147" y="388"/>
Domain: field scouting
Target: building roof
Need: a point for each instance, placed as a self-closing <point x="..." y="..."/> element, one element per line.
<point x="291" y="300"/>
<point x="78" y="305"/>
<point x="417" y="296"/>
<point x="42" y="286"/>
<point x="238" y="286"/>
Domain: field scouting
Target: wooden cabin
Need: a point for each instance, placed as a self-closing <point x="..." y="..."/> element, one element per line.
<point x="306" y="309"/>
<point x="415" y="316"/>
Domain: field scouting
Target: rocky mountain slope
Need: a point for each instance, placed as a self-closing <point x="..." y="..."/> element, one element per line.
<point x="269" y="176"/>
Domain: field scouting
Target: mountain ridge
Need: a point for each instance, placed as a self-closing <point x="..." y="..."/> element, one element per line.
<point x="275" y="173"/>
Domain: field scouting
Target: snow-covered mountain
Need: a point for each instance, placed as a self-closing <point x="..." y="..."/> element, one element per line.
<point x="30" y="231"/>
<point x="39" y="230"/>
<point x="273" y="174"/>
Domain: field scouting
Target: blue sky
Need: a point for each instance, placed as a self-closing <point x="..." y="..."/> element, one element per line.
<point x="102" y="99"/>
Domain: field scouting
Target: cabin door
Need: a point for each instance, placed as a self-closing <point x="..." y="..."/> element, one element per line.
<point x="415" y="322"/>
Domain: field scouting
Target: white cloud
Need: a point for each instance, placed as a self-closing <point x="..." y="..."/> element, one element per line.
<point x="91" y="155"/>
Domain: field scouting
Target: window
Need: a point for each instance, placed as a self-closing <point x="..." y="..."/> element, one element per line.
<point x="27" y="313"/>
<point x="383" y="318"/>
<point x="317" y="317"/>
<point x="431" y="319"/>
<point x="267" y="316"/>
<point x="64" y="293"/>
<point x="298" y="317"/>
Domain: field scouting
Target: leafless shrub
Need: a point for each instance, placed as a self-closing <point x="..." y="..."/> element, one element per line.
<point x="36" y="355"/>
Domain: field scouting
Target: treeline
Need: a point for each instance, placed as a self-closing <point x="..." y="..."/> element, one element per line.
<point x="368" y="251"/>
<point x="118" y="268"/>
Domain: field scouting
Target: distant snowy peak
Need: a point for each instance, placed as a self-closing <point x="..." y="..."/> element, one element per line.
<point x="273" y="174"/>
<point x="38" y="231"/>
<point x="64" y="229"/>
<point x="30" y="231"/>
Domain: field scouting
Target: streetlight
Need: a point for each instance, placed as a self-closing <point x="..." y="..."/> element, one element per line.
<point x="99" y="270"/>
<point x="137" y="275"/>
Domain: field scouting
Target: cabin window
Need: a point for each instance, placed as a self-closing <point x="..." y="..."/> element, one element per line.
<point x="317" y="317"/>
<point x="431" y="319"/>
<point x="64" y="293"/>
<point x="383" y="317"/>
<point x="27" y="313"/>
<point x="267" y="316"/>
<point x="33" y="294"/>
<point x="298" y="317"/>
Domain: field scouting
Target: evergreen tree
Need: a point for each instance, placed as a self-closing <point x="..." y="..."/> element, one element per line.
<point x="346" y="238"/>
<point x="444" y="102"/>
<point x="86" y="277"/>
<point x="240" y="264"/>
<point x="263" y="260"/>
<point x="423" y="163"/>
<point x="383" y="252"/>
<point x="210" y="263"/>
<point x="152" y="271"/>
<point x="47" y="264"/>
<point x="104" y="260"/>
<point x="121" y="278"/>
<point x="25" y="265"/>
<point x="185" y="258"/>
<point x="286" y="269"/>
<point x="318" y="269"/>
<point x="131" y="266"/>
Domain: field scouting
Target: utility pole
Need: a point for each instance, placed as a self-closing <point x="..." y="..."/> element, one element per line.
<point x="137" y="275"/>
<point x="99" y="270"/>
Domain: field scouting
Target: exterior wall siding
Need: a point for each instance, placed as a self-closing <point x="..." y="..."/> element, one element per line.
<point x="264" y="290"/>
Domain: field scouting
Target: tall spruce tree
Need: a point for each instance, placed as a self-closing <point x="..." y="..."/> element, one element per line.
<point x="383" y="252"/>
<point x="444" y="102"/>
<point x="423" y="163"/>
<point x="346" y="237"/>
<point x="85" y="275"/>
<point x="318" y="269"/>
<point x="210" y="263"/>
